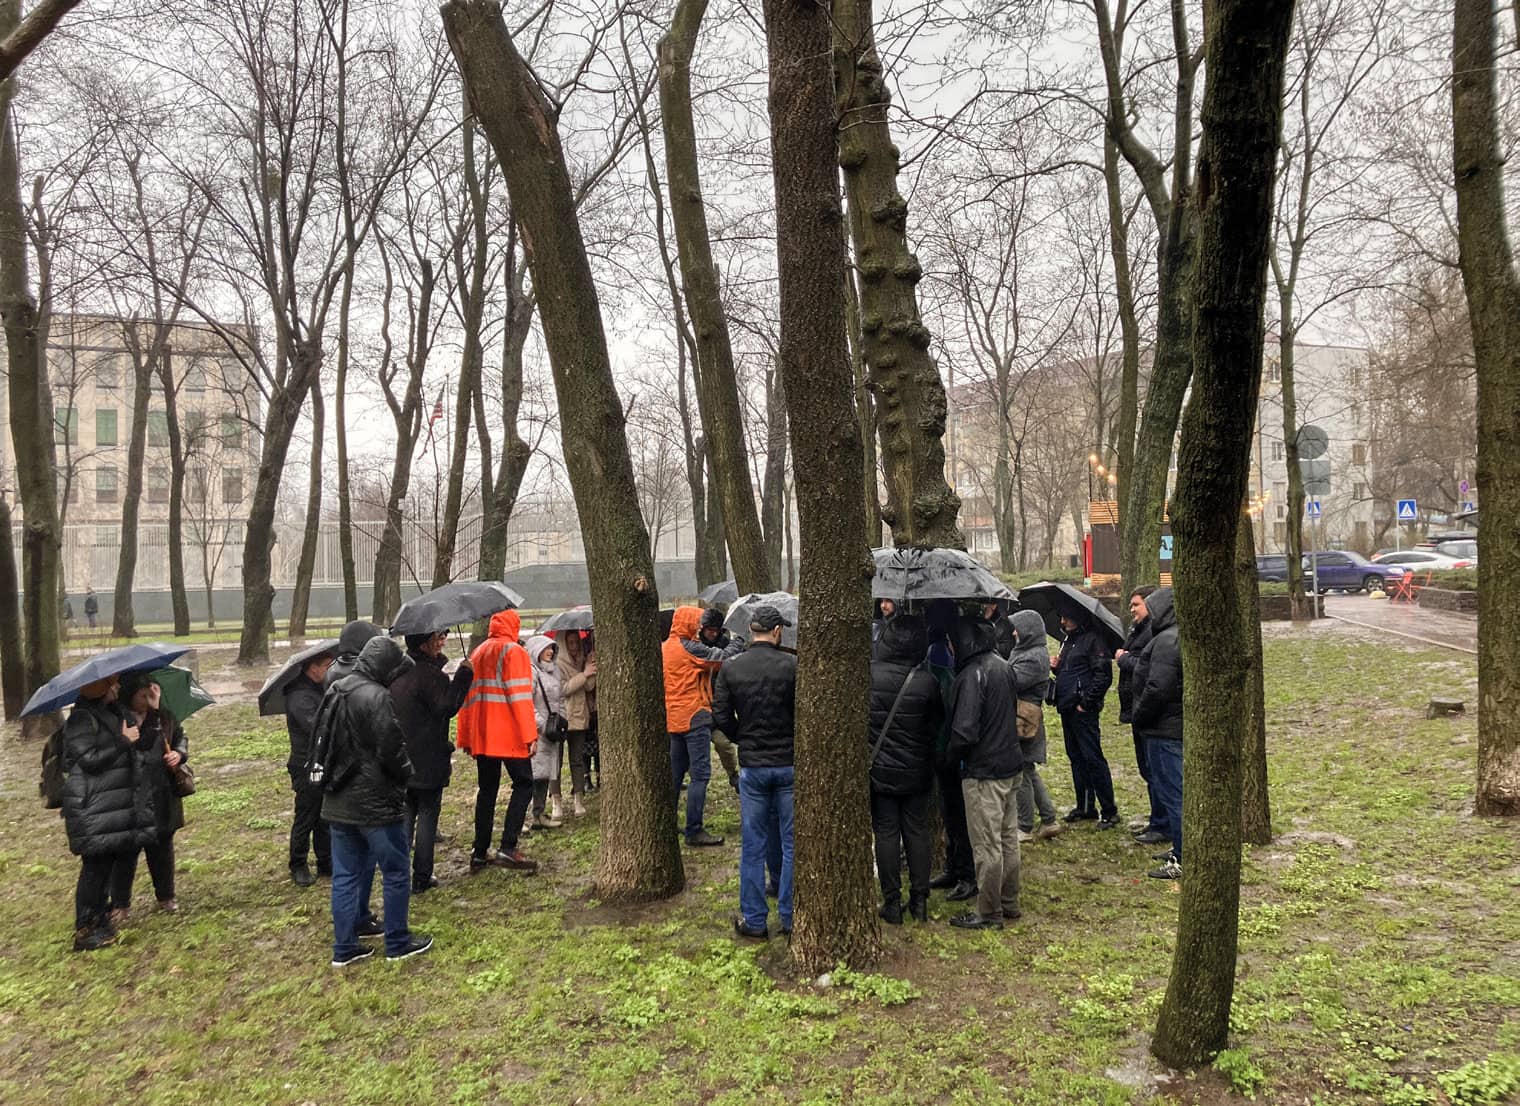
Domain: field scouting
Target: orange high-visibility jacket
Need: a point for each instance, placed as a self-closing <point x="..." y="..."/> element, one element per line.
<point x="688" y="679"/>
<point x="497" y="717"/>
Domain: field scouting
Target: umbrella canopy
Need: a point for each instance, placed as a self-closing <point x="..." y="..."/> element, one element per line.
<point x="719" y="595"/>
<point x="182" y="695"/>
<point x="737" y="622"/>
<point x="914" y="576"/>
<point x="453" y="605"/>
<point x="576" y="618"/>
<point x="1051" y="601"/>
<point x="64" y="688"/>
<point x="272" y="694"/>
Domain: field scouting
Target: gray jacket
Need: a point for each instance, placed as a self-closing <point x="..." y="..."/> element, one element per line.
<point x="1030" y="662"/>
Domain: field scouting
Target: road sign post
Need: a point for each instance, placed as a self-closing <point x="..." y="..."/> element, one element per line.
<point x="1408" y="511"/>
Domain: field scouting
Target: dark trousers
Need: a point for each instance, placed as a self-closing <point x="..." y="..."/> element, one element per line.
<point x="1090" y="776"/>
<point x="1166" y="769"/>
<point x="901" y="822"/>
<point x="1157" y="819"/>
<point x="92" y="894"/>
<point x="160" y="858"/>
<point x="488" y="773"/>
<point x="575" y="749"/>
<point x="422" y="807"/>
<point x="959" y="861"/>
<point x="308" y="831"/>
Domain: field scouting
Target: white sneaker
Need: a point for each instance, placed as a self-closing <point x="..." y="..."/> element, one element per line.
<point x="1025" y="837"/>
<point x="556" y="809"/>
<point x="578" y="806"/>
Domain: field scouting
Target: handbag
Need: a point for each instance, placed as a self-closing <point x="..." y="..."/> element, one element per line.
<point x="1027" y="719"/>
<point x="181" y="776"/>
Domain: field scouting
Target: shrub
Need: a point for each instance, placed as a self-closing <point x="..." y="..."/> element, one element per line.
<point x="1017" y="580"/>
<point x="1456" y="579"/>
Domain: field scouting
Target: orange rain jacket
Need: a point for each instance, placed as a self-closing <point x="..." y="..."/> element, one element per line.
<point x="497" y="717"/>
<point x="689" y="668"/>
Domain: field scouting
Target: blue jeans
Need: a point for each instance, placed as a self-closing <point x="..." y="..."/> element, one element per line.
<point x="1164" y="758"/>
<point x="692" y="751"/>
<point x="765" y="795"/>
<point x="1157" y="819"/>
<point x="356" y="850"/>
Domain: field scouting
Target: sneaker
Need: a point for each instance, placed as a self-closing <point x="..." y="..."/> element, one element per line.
<point x="1108" y="822"/>
<point x="301" y="875"/>
<point x="973" y="920"/>
<point x="1075" y="815"/>
<point x="1152" y="837"/>
<point x="168" y="906"/>
<point x="1025" y="837"/>
<point x="119" y="917"/>
<point x="703" y="840"/>
<point x="423" y="886"/>
<point x="418" y="944"/>
<point x="94" y="937"/>
<point x="546" y="821"/>
<point x="742" y="930"/>
<point x="370" y="927"/>
<point x="1048" y="830"/>
<point x="364" y="952"/>
<point x="556" y="809"/>
<point x="1164" y="857"/>
<point x="514" y="861"/>
<point x="1169" y="869"/>
<point x="578" y="806"/>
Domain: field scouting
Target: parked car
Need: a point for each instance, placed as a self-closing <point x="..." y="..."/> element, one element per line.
<point x="1347" y="571"/>
<point x="1420" y="559"/>
<point x="1272" y="568"/>
<point x="1464" y="547"/>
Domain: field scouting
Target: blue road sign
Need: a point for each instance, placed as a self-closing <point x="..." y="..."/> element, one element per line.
<point x="1312" y="508"/>
<point x="1407" y="512"/>
<point x="1469" y="506"/>
<point x="1166" y="547"/>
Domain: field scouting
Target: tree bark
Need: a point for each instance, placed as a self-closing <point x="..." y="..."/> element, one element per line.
<point x="1255" y="801"/>
<point x="1129" y="325"/>
<point x="865" y="414"/>
<point x="1247" y="45"/>
<point x="28" y="34"/>
<point x="835" y="918"/>
<point x="300" y="594"/>
<point x="178" y="600"/>
<point x="773" y="509"/>
<point x="122" y="623"/>
<point x="345" y="491"/>
<point x="12" y="664"/>
<point x="716" y="379"/>
<point x="921" y="508"/>
<point x="641" y="860"/>
<point x="1493" y="303"/>
<point x="499" y="491"/>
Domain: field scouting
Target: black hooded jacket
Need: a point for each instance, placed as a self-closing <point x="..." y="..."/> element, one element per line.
<point x="351" y="642"/>
<point x="1139" y="637"/>
<point x="983" y="724"/>
<point x="367" y="766"/>
<point x="1084" y="672"/>
<point x="107" y="793"/>
<point x="303" y="698"/>
<point x="755" y="704"/>
<point x="904" y="763"/>
<point x="1158" y="676"/>
<point x="425" y="700"/>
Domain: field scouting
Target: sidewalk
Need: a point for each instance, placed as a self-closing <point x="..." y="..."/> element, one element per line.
<point x="1445" y="628"/>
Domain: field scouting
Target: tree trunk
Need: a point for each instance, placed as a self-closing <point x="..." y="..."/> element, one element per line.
<point x="1004" y="520"/>
<point x="345" y="493"/>
<point x="31" y="410"/>
<point x="716" y="380"/>
<point x="773" y="506"/>
<point x="1247" y="47"/>
<point x="122" y="622"/>
<point x="1296" y="496"/>
<point x="300" y="595"/>
<point x="921" y="508"/>
<point x="12" y="664"/>
<point x="499" y="495"/>
<point x="642" y="860"/>
<point x="835" y="919"/>
<point x="177" y="597"/>
<point x="1255" y="803"/>
<point x="865" y="414"/>
<point x="1493" y="302"/>
<point x="1129" y="326"/>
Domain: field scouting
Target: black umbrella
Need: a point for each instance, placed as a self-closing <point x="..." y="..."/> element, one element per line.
<point x="272" y="694"/>
<point x="719" y="595"/>
<point x="737" y="622"/>
<point x="453" y="605"/>
<point x="576" y="618"/>
<point x="64" y="688"/>
<point x="915" y="576"/>
<point x="1051" y="601"/>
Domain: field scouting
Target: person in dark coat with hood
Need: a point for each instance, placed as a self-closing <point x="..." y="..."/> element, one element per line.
<point x="1083" y="676"/>
<point x="425" y="701"/>
<point x="163" y="746"/>
<point x="107" y="805"/>
<point x="1154" y="831"/>
<point x="1158" y="719"/>
<point x="308" y="832"/>
<point x="1030" y="664"/>
<point x="984" y="739"/>
<point x="959" y="876"/>
<point x="367" y="771"/>
<point x="902" y="763"/>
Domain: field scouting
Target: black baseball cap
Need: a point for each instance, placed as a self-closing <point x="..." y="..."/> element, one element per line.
<point x="766" y="618"/>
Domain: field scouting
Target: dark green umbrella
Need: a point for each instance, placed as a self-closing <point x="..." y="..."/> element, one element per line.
<point x="182" y="694"/>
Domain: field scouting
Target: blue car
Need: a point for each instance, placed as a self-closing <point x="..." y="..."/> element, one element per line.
<point x="1341" y="570"/>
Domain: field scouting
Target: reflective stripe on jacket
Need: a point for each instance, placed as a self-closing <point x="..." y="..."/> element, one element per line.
<point x="497" y="717"/>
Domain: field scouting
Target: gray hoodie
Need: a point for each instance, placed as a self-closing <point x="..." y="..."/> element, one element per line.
<point x="1030" y="662"/>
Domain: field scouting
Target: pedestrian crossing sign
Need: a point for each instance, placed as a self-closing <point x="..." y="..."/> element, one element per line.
<point x="1406" y="511"/>
<point x="1312" y="508"/>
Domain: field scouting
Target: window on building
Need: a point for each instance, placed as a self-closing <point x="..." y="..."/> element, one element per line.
<point x="195" y="376"/>
<point x="195" y="427"/>
<point x="105" y="484"/>
<point x="1274" y="371"/>
<point x="195" y="485"/>
<point x="106" y="375"/>
<point x="1280" y="491"/>
<point x="158" y="428"/>
<point x="1278" y="450"/>
<point x="105" y="426"/>
<point x="66" y="425"/>
<point x="1282" y="511"/>
<point x="158" y="486"/>
<point x="232" y="432"/>
<point x="1359" y="454"/>
<point x="232" y="487"/>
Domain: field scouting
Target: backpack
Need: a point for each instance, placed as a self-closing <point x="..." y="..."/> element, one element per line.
<point x="53" y="774"/>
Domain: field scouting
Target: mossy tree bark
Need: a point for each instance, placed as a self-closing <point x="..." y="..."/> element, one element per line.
<point x="1493" y="303"/>
<point x="716" y="380"/>
<point x="1255" y="804"/>
<point x="1247" y="45"/>
<point x="12" y="666"/>
<point x="835" y="917"/>
<point x="641" y="860"/>
<point x="904" y="380"/>
<point x="865" y="414"/>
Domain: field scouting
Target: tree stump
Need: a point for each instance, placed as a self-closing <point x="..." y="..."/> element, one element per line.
<point x="1443" y="708"/>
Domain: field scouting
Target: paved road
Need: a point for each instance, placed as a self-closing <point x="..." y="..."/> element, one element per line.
<point x="1445" y="628"/>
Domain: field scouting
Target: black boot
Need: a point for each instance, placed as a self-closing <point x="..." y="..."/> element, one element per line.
<point x="943" y="882"/>
<point x="918" y="907"/>
<point x="891" y="912"/>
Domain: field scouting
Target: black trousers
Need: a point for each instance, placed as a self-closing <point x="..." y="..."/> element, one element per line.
<point x="952" y="809"/>
<point x="160" y="858"/>
<point x="422" y="807"/>
<point x="901" y="821"/>
<point x="488" y="773"/>
<point x="92" y="894"/>
<point x="308" y="831"/>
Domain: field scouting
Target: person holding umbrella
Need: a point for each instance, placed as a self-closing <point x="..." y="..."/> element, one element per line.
<point x="577" y="678"/>
<point x="308" y="832"/>
<point x="163" y="747"/>
<point x="1083" y="675"/>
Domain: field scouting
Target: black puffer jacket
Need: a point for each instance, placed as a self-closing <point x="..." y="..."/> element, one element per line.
<point x="303" y="698"/>
<point x="107" y="795"/>
<point x="904" y="764"/>
<point x="367" y="767"/>
<point x="755" y="704"/>
<point x="1030" y="665"/>
<point x="1084" y="672"/>
<point x="983" y="723"/>
<point x="425" y="701"/>
<point x="1139" y="638"/>
<point x="1158" y="676"/>
<point x="168" y="808"/>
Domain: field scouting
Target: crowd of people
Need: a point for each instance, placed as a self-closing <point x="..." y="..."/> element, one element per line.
<point x="955" y="715"/>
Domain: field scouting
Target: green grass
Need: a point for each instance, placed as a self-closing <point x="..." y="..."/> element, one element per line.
<point x="1379" y="948"/>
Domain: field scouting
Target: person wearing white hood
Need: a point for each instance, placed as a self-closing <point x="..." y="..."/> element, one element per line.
<point x="549" y="711"/>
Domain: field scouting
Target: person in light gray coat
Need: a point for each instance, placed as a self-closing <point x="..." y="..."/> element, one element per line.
<point x="549" y="713"/>
<point x="1030" y="662"/>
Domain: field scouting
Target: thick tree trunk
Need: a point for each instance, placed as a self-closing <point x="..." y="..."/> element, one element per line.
<point x="1493" y="303"/>
<point x="921" y="508"/>
<point x="12" y="665"/>
<point x="300" y="594"/>
<point x="1255" y="802"/>
<point x="1004" y="519"/>
<point x="865" y="415"/>
<point x="642" y="859"/>
<point x="716" y="380"/>
<point x="1129" y="325"/>
<point x="122" y="622"/>
<point x="178" y="600"/>
<point x="345" y="492"/>
<point x="1247" y="47"/>
<point x="835" y="918"/>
